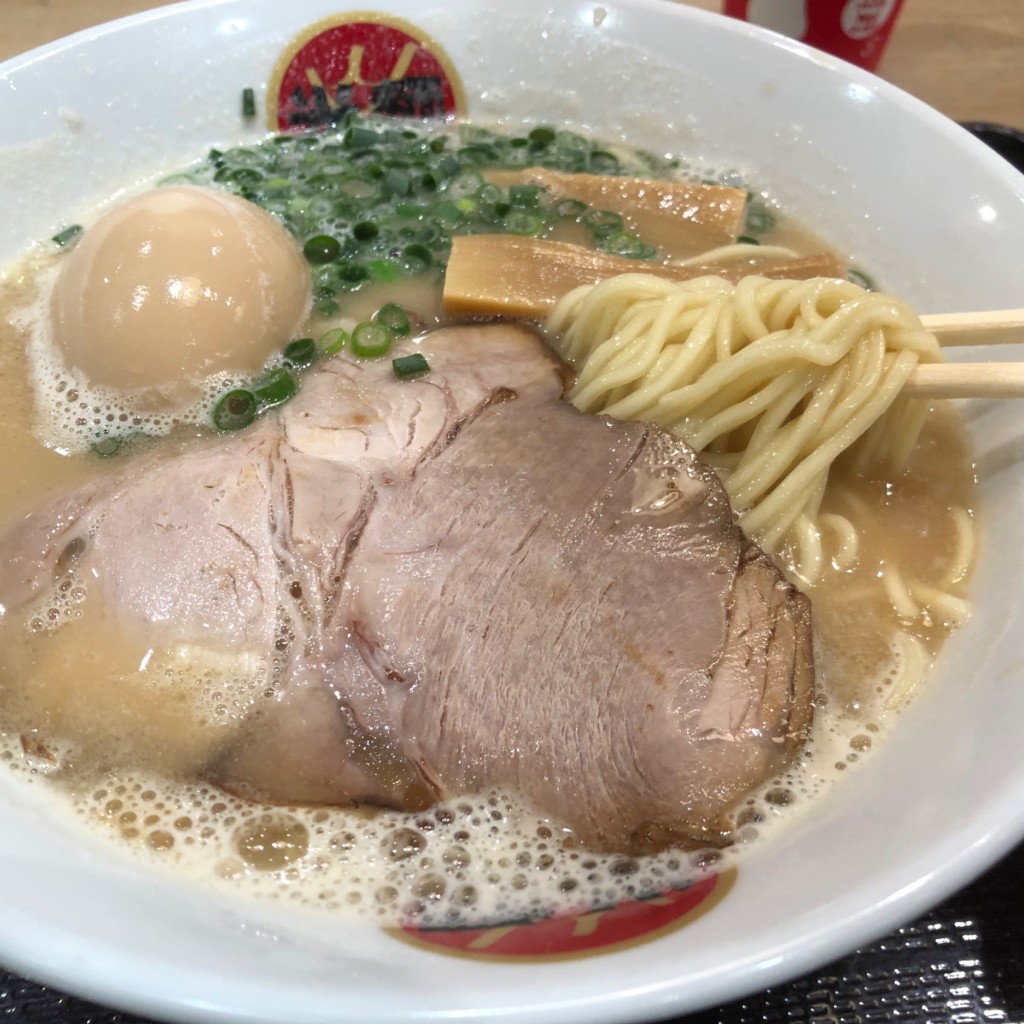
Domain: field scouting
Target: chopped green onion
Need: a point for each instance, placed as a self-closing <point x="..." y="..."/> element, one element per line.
<point x="465" y="185"/>
<point x="245" y="176"/>
<point x="491" y="213"/>
<point x="360" y="138"/>
<point x="489" y="193"/>
<point x="416" y="258"/>
<point x="352" y="275"/>
<point x="396" y="182"/>
<point x="409" y="211"/>
<point x="573" y="142"/>
<point x="365" y="231"/>
<point x="371" y="340"/>
<point x="176" y="179"/>
<point x="322" y="249"/>
<point x="570" y="208"/>
<point x="358" y="188"/>
<point x="394" y="318"/>
<point x="448" y="213"/>
<point x="862" y="280"/>
<point x="277" y="387"/>
<point x="602" y="222"/>
<point x="747" y="240"/>
<point x="385" y="271"/>
<point x="68" y="234"/>
<point x="519" y="222"/>
<point x="760" y="220"/>
<point x="281" y="186"/>
<point x="449" y="165"/>
<point x="410" y="366"/>
<point x="300" y="352"/>
<point x="479" y="156"/>
<point x="235" y="410"/>
<point x="331" y="342"/>
<point x="429" y="233"/>
<point x="602" y="162"/>
<point x="624" y="243"/>
<point x="524" y="195"/>
<point x="372" y="202"/>
<point x="248" y="103"/>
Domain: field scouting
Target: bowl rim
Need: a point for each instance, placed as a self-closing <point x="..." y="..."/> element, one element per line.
<point x="959" y="859"/>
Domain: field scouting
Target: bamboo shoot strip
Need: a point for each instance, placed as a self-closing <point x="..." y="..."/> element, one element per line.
<point x="519" y="276"/>
<point x="682" y="219"/>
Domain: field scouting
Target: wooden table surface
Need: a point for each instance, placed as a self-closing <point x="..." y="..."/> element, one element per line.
<point x="964" y="57"/>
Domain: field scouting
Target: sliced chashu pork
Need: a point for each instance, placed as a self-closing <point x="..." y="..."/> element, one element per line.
<point x="454" y="584"/>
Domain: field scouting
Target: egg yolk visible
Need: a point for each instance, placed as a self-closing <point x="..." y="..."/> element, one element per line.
<point x="177" y="284"/>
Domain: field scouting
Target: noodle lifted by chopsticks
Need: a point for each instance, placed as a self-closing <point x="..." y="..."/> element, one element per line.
<point x="770" y="380"/>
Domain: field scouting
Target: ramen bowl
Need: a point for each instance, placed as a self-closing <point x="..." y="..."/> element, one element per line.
<point x="848" y="155"/>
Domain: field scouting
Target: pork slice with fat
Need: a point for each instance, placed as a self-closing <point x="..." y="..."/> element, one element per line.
<point x="456" y="584"/>
<point x="572" y="615"/>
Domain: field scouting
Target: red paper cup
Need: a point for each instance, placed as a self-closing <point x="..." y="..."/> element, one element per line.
<point x="856" y="30"/>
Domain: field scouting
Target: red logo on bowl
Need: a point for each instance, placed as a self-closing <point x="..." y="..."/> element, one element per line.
<point x="364" y="62"/>
<point x="573" y="935"/>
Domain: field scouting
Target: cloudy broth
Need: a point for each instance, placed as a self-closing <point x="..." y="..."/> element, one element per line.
<point x="483" y="857"/>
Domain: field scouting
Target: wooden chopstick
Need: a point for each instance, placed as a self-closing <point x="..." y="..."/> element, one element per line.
<point x="994" y="327"/>
<point x="971" y="380"/>
<point x="966" y="380"/>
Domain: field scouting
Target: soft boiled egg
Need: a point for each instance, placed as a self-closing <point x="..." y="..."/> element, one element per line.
<point x="175" y="285"/>
<point x="168" y="300"/>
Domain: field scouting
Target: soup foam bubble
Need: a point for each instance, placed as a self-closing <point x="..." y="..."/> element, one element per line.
<point x="474" y="861"/>
<point x="75" y="415"/>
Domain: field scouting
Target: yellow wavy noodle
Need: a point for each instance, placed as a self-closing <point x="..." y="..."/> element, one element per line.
<point x="954" y="610"/>
<point x="770" y="380"/>
<point x="918" y="600"/>
<point x="963" y="556"/>
<point x="811" y="556"/>
<point x="740" y="252"/>
<point x="899" y="594"/>
<point x="847" y="551"/>
<point x="913" y="662"/>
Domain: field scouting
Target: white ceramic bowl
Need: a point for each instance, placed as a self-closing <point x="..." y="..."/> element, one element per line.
<point x="939" y="219"/>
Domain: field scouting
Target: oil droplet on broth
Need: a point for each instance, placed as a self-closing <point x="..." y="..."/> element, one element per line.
<point x="403" y="843"/>
<point x="271" y="842"/>
<point x="430" y="887"/>
<point x="159" y="839"/>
